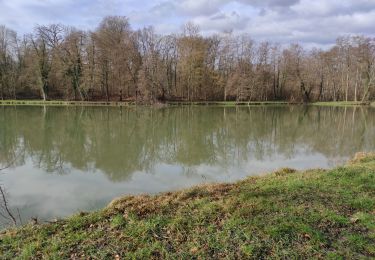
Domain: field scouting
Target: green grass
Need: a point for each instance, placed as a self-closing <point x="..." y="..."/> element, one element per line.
<point x="287" y="214"/>
<point x="229" y="103"/>
<point x="341" y="103"/>
<point x="62" y="103"/>
<point x="104" y="103"/>
<point x="172" y="103"/>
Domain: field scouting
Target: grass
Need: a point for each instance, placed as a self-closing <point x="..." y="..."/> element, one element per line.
<point x="173" y="103"/>
<point x="287" y="214"/>
<point x="62" y="103"/>
<point x="341" y="103"/>
<point x="229" y="103"/>
<point x="104" y="103"/>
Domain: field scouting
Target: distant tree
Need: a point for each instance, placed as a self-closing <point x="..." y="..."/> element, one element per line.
<point x="8" y="42"/>
<point x="72" y="56"/>
<point x="115" y="62"/>
<point x="46" y="43"/>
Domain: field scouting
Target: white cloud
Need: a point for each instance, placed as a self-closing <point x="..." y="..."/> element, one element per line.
<point x="332" y="7"/>
<point x="310" y="22"/>
<point x="222" y="22"/>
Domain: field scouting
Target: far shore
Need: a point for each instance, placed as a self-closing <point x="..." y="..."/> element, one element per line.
<point x="176" y="103"/>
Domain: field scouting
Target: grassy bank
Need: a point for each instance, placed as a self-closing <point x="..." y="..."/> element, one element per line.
<point x="62" y="103"/>
<point x="288" y="214"/>
<point x="229" y="103"/>
<point x="341" y="103"/>
<point x="104" y="103"/>
<point x="172" y="103"/>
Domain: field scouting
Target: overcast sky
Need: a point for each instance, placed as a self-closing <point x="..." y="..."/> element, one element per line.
<point x="310" y="22"/>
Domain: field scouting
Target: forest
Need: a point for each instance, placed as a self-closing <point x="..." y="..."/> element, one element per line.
<point x="116" y="63"/>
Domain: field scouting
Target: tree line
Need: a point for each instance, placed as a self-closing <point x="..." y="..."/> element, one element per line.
<point x="116" y="63"/>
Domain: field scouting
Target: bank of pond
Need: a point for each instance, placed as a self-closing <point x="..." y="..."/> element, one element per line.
<point x="176" y="103"/>
<point x="286" y="214"/>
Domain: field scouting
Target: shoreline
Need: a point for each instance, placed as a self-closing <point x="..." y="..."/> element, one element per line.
<point x="288" y="213"/>
<point x="177" y="103"/>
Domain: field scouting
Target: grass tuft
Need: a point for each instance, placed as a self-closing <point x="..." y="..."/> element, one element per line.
<point x="363" y="157"/>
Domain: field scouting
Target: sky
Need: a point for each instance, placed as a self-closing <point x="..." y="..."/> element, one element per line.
<point x="309" y="22"/>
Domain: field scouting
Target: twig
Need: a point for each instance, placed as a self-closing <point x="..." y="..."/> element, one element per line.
<point x="6" y="206"/>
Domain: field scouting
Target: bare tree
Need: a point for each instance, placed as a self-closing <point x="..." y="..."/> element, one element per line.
<point x="46" y="43"/>
<point x="117" y="63"/>
<point x="5" y="210"/>
<point x="8" y="41"/>
<point x="72" y="56"/>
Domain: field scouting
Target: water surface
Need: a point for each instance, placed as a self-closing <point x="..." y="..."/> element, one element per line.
<point x="70" y="159"/>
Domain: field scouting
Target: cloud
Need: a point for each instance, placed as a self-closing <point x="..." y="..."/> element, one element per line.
<point x="189" y="7"/>
<point x="320" y="28"/>
<point x="270" y="3"/>
<point x="312" y="23"/>
<point x="332" y="8"/>
<point x="222" y="22"/>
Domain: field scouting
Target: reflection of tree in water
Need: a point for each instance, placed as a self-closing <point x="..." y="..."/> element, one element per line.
<point x="121" y="141"/>
<point x="7" y="216"/>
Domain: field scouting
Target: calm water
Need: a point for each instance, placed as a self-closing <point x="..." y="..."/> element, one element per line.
<point x="70" y="159"/>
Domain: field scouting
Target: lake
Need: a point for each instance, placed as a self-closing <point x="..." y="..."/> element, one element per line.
<point x="70" y="159"/>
